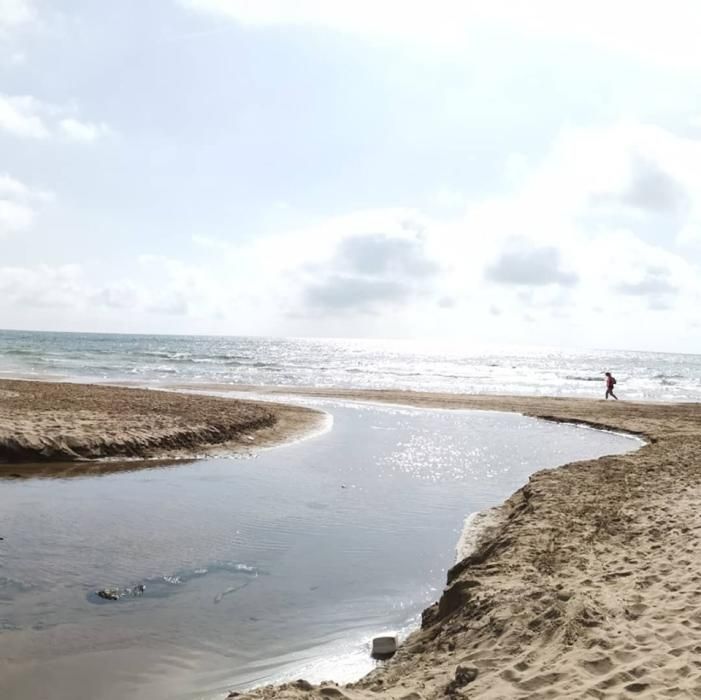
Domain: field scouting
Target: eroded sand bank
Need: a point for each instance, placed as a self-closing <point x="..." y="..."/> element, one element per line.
<point x="43" y="422"/>
<point x="589" y="586"/>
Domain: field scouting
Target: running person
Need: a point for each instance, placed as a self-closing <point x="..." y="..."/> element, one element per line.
<point x="610" y="382"/>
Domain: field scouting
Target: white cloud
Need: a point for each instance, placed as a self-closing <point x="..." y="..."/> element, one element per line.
<point x="614" y="202"/>
<point x="21" y="116"/>
<point x="597" y="224"/>
<point x="528" y="265"/>
<point x="448" y="200"/>
<point x="211" y="243"/>
<point x="389" y="272"/>
<point x="10" y="186"/>
<point x="595" y="182"/>
<point x="27" y="117"/>
<point x="43" y="286"/>
<point x="124" y="294"/>
<point x="369" y="272"/>
<point x="603" y="209"/>
<point x="18" y="204"/>
<point x="17" y="58"/>
<point x="14" y="217"/>
<point x="14" y="13"/>
<point x="169" y="287"/>
<point x="85" y="132"/>
<point x="664" y="33"/>
<point x="178" y="288"/>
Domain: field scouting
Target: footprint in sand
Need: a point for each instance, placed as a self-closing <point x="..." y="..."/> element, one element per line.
<point x="599" y="666"/>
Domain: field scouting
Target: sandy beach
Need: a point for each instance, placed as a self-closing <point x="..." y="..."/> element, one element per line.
<point x="322" y="322"/>
<point x="585" y="583"/>
<point x="47" y="424"/>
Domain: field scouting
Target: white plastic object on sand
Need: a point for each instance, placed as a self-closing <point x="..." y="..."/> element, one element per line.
<point x="385" y="646"/>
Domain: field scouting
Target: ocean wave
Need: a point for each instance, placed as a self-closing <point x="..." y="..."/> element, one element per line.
<point x="148" y="370"/>
<point x="379" y="371"/>
<point x="20" y="353"/>
<point x="181" y="357"/>
<point x="173" y="355"/>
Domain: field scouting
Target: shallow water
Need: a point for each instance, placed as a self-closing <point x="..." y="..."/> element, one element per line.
<point x="256" y="568"/>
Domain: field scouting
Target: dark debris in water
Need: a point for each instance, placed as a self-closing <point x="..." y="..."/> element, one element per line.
<point x="117" y="593"/>
<point x="162" y="586"/>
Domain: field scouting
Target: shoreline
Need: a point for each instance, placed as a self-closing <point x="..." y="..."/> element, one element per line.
<point x="558" y="409"/>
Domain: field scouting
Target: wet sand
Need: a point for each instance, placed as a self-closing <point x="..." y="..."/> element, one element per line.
<point x="47" y="424"/>
<point x="585" y="583"/>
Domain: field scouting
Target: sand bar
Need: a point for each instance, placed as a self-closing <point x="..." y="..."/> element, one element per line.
<point x="587" y="584"/>
<point x="46" y="422"/>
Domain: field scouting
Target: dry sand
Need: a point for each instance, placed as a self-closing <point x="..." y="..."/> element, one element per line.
<point x="587" y="585"/>
<point x="44" y="422"/>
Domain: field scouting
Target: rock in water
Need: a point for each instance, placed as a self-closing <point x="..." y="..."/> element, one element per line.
<point x="117" y="593"/>
<point x="109" y="593"/>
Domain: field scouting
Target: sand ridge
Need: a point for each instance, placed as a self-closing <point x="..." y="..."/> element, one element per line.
<point x="589" y="585"/>
<point x="65" y="422"/>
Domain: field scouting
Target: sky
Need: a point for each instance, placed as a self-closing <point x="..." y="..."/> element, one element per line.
<point x="488" y="172"/>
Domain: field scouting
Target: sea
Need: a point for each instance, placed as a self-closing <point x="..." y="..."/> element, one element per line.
<point x="161" y="360"/>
